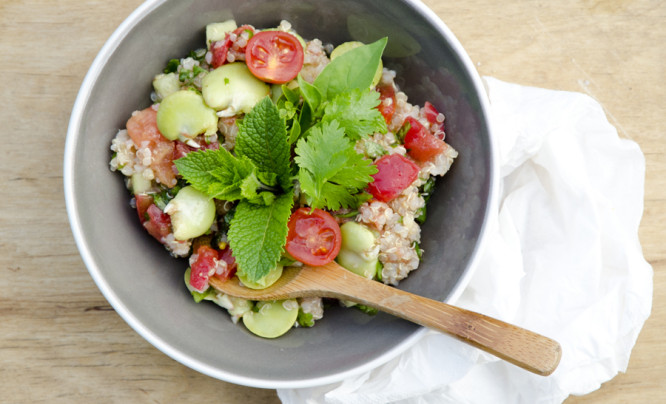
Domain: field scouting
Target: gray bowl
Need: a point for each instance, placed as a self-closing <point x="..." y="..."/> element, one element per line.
<point x="145" y="285"/>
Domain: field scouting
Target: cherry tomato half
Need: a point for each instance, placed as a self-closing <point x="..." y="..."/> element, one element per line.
<point x="274" y="56"/>
<point x="421" y="145"/>
<point x="395" y="173"/>
<point x="314" y="236"/>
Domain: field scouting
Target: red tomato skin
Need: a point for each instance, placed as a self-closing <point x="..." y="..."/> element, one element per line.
<point x="430" y="113"/>
<point x="314" y="236"/>
<point x="158" y="223"/>
<point x="395" y="173"/>
<point x="387" y="102"/>
<point x="226" y="255"/>
<point x="219" y="51"/>
<point x="203" y="267"/>
<point x="142" y="129"/>
<point x="274" y="56"/>
<point x="421" y="145"/>
<point x="143" y="202"/>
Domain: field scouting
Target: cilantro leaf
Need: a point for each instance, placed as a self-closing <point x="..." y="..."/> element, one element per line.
<point x="356" y="112"/>
<point x="257" y="235"/>
<point x="262" y="138"/>
<point x="216" y="173"/>
<point x="331" y="171"/>
<point x="353" y="69"/>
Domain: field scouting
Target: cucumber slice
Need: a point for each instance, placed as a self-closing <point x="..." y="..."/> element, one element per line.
<point x="347" y="46"/>
<point x="218" y="30"/>
<point x="232" y="89"/>
<point x="184" y="114"/>
<point x="140" y="185"/>
<point x="357" y="238"/>
<point x="355" y="263"/>
<point x="269" y="279"/>
<point x="166" y="84"/>
<point x="192" y="213"/>
<point x="271" y="319"/>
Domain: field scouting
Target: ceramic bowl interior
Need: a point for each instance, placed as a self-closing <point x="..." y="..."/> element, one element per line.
<point x="145" y="285"/>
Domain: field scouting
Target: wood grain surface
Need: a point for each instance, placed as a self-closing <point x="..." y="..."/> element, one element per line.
<point x="61" y="342"/>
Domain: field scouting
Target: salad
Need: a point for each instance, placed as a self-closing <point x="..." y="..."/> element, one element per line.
<point x="263" y="150"/>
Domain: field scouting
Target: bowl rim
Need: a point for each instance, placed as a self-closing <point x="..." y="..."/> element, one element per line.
<point x="126" y="314"/>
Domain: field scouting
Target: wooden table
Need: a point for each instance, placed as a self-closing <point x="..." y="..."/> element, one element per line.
<point x="60" y="341"/>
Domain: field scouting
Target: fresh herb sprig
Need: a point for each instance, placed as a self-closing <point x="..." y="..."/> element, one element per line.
<point x="321" y="121"/>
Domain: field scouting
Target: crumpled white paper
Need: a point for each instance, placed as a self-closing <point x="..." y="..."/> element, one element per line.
<point x="563" y="259"/>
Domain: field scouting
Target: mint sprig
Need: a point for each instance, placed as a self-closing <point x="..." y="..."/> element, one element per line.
<point x="257" y="235"/>
<point x="262" y="138"/>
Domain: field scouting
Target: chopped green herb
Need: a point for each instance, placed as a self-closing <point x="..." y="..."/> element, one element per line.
<point x="367" y="309"/>
<point x="418" y="249"/>
<point x="172" y="66"/>
<point x="305" y="319"/>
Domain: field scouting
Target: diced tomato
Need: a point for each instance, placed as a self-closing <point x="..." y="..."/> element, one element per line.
<point x="203" y="267"/>
<point x="421" y="145"/>
<point x="219" y="51"/>
<point x="226" y="256"/>
<point x="182" y="149"/>
<point x="395" y="173"/>
<point x="314" y="236"/>
<point x="158" y="223"/>
<point x="142" y="129"/>
<point x="387" y="102"/>
<point x="143" y="201"/>
<point x="431" y="114"/>
<point x="274" y="56"/>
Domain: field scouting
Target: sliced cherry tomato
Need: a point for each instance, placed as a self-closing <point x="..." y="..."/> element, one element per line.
<point x="203" y="267"/>
<point x="274" y="56"/>
<point x="431" y="114"/>
<point x="387" y="102"/>
<point x="421" y="145"/>
<point x="395" y="173"/>
<point x="314" y="236"/>
<point x="142" y="129"/>
<point x="158" y="223"/>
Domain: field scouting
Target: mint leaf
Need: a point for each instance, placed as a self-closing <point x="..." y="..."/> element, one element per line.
<point x="262" y="138"/>
<point x="331" y="171"/>
<point x="353" y="69"/>
<point x="257" y="235"/>
<point x="216" y="173"/>
<point x="357" y="113"/>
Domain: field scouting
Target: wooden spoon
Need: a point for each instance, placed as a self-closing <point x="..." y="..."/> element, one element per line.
<point x="523" y="348"/>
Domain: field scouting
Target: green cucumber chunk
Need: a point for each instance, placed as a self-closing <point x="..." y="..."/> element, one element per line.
<point x="264" y="282"/>
<point x="357" y="237"/>
<point x="355" y="263"/>
<point x="166" y="84"/>
<point x="358" y="250"/>
<point x="218" y="30"/>
<point x="232" y="89"/>
<point x="184" y="114"/>
<point x="271" y="319"/>
<point x="347" y="46"/>
<point x="192" y="213"/>
<point x="140" y="185"/>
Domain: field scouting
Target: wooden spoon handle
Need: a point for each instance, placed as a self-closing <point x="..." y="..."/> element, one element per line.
<point x="526" y="349"/>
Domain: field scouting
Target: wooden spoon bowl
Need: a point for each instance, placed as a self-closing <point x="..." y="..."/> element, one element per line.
<point x="521" y="347"/>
